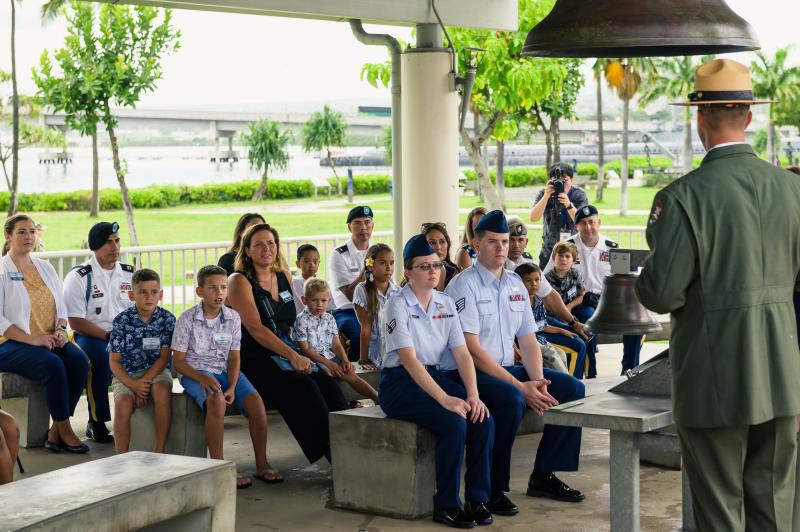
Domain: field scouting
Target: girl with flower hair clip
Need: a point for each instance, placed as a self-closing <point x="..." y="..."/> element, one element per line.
<point x="369" y="298"/>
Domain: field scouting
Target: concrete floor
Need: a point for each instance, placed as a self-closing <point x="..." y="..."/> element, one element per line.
<point x="301" y="503"/>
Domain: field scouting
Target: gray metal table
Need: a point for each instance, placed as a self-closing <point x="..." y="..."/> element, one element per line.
<point x="626" y="416"/>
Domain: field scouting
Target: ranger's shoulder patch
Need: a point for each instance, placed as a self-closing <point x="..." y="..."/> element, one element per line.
<point x="126" y="267"/>
<point x="612" y="244"/>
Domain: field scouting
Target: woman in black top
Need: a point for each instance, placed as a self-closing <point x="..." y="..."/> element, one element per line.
<point x="246" y="220"/>
<point x="261" y="292"/>
<point x="437" y="237"/>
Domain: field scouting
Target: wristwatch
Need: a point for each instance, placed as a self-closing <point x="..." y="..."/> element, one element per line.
<point x="572" y="321"/>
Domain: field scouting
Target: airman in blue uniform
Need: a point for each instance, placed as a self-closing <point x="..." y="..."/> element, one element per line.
<point x="428" y="378"/>
<point x="493" y="308"/>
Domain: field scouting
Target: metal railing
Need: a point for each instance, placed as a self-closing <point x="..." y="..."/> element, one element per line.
<point x="178" y="263"/>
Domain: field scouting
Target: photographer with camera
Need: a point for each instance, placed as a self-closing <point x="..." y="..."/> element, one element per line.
<point x="558" y="203"/>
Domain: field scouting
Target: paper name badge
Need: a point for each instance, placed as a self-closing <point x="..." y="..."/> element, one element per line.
<point x="286" y="296"/>
<point x="222" y="338"/>
<point x="151" y="343"/>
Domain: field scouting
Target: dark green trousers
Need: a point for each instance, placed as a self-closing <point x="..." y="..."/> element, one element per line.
<point x="742" y="478"/>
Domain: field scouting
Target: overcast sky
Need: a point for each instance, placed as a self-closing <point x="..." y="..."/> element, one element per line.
<point x="244" y="59"/>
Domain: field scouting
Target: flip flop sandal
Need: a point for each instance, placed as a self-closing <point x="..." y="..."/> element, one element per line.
<point x="269" y="476"/>
<point x="242" y="482"/>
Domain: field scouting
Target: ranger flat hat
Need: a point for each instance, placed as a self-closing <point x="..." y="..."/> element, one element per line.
<point x="721" y="82"/>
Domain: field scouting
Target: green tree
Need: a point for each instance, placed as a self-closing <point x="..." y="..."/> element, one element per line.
<point x="323" y="131"/>
<point x="111" y="55"/>
<point x="506" y="86"/>
<point x="559" y="105"/>
<point x="267" y="149"/>
<point x="51" y="10"/>
<point x="28" y="134"/>
<point x="385" y="142"/>
<point x="625" y="76"/>
<point x="674" y="79"/>
<point x="773" y="79"/>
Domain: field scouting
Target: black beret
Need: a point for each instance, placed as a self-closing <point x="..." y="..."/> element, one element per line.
<point x="585" y="212"/>
<point x="362" y="211"/>
<point x="494" y="221"/>
<point x="417" y="246"/>
<point x="99" y="233"/>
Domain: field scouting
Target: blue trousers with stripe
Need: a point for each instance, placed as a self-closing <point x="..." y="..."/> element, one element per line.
<point x="402" y="398"/>
<point x="560" y="447"/>
<point x="62" y="371"/>
<point x="99" y="377"/>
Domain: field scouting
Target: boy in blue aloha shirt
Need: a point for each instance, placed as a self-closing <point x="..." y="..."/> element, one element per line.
<point x="139" y="353"/>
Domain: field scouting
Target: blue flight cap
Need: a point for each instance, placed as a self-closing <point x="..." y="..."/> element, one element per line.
<point x="494" y="221"/>
<point x="362" y="211"/>
<point x="417" y="246"/>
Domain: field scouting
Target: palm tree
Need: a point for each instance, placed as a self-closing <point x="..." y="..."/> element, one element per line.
<point x="13" y="198"/>
<point x="773" y="80"/>
<point x="675" y="79"/>
<point x="323" y="131"/>
<point x="624" y="76"/>
<point x="267" y="149"/>
<point x="598" y="68"/>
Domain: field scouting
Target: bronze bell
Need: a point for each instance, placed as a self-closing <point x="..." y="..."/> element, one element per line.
<point x="619" y="310"/>
<point x="639" y="28"/>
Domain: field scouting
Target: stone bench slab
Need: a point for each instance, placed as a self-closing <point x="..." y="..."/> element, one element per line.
<point x="186" y="429"/>
<point x="24" y="399"/>
<point x="125" y="492"/>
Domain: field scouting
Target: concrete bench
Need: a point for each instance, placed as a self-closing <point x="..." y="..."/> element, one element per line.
<point x="136" y="490"/>
<point x="386" y="466"/>
<point x="24" y="399"/>
<point x="186" y="429"/>
<point x="373" y="377"/>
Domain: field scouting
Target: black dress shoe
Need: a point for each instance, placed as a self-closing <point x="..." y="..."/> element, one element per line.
<point x="549" y="485"/>
<point x="77" y="449"/>
<point x="97" y="431"/>
<point x="453" y="517"/>
<point x="502" y="505"/>
<point x="479" y="513"/>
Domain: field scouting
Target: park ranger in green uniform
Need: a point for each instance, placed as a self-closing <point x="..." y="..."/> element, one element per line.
<point x="724" y="261"/>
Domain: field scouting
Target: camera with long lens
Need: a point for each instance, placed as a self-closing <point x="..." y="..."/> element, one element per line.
<point x="557" y="182"/>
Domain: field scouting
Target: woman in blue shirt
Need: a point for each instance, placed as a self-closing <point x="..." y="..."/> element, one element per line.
<point x="428" y="378"/>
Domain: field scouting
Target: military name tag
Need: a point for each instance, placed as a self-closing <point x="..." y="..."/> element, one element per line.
<point x="354" y="270"/>
<point x="151" y="343"/>
<point x="222" y="338"/>
<point x="16" y="276"/>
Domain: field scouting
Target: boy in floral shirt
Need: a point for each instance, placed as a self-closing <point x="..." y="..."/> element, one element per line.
<point x="206" y="350"/>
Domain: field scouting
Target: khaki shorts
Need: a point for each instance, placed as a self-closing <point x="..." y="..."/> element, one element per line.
<point x="118" y="388"/>
<point x="554" y="358"/>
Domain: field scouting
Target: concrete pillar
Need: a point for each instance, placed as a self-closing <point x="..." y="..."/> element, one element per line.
<point x="430" y="143"/>
<point x="624" y="458"/>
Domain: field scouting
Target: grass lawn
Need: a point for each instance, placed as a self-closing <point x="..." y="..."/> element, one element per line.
<point x="214" y="222"/>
